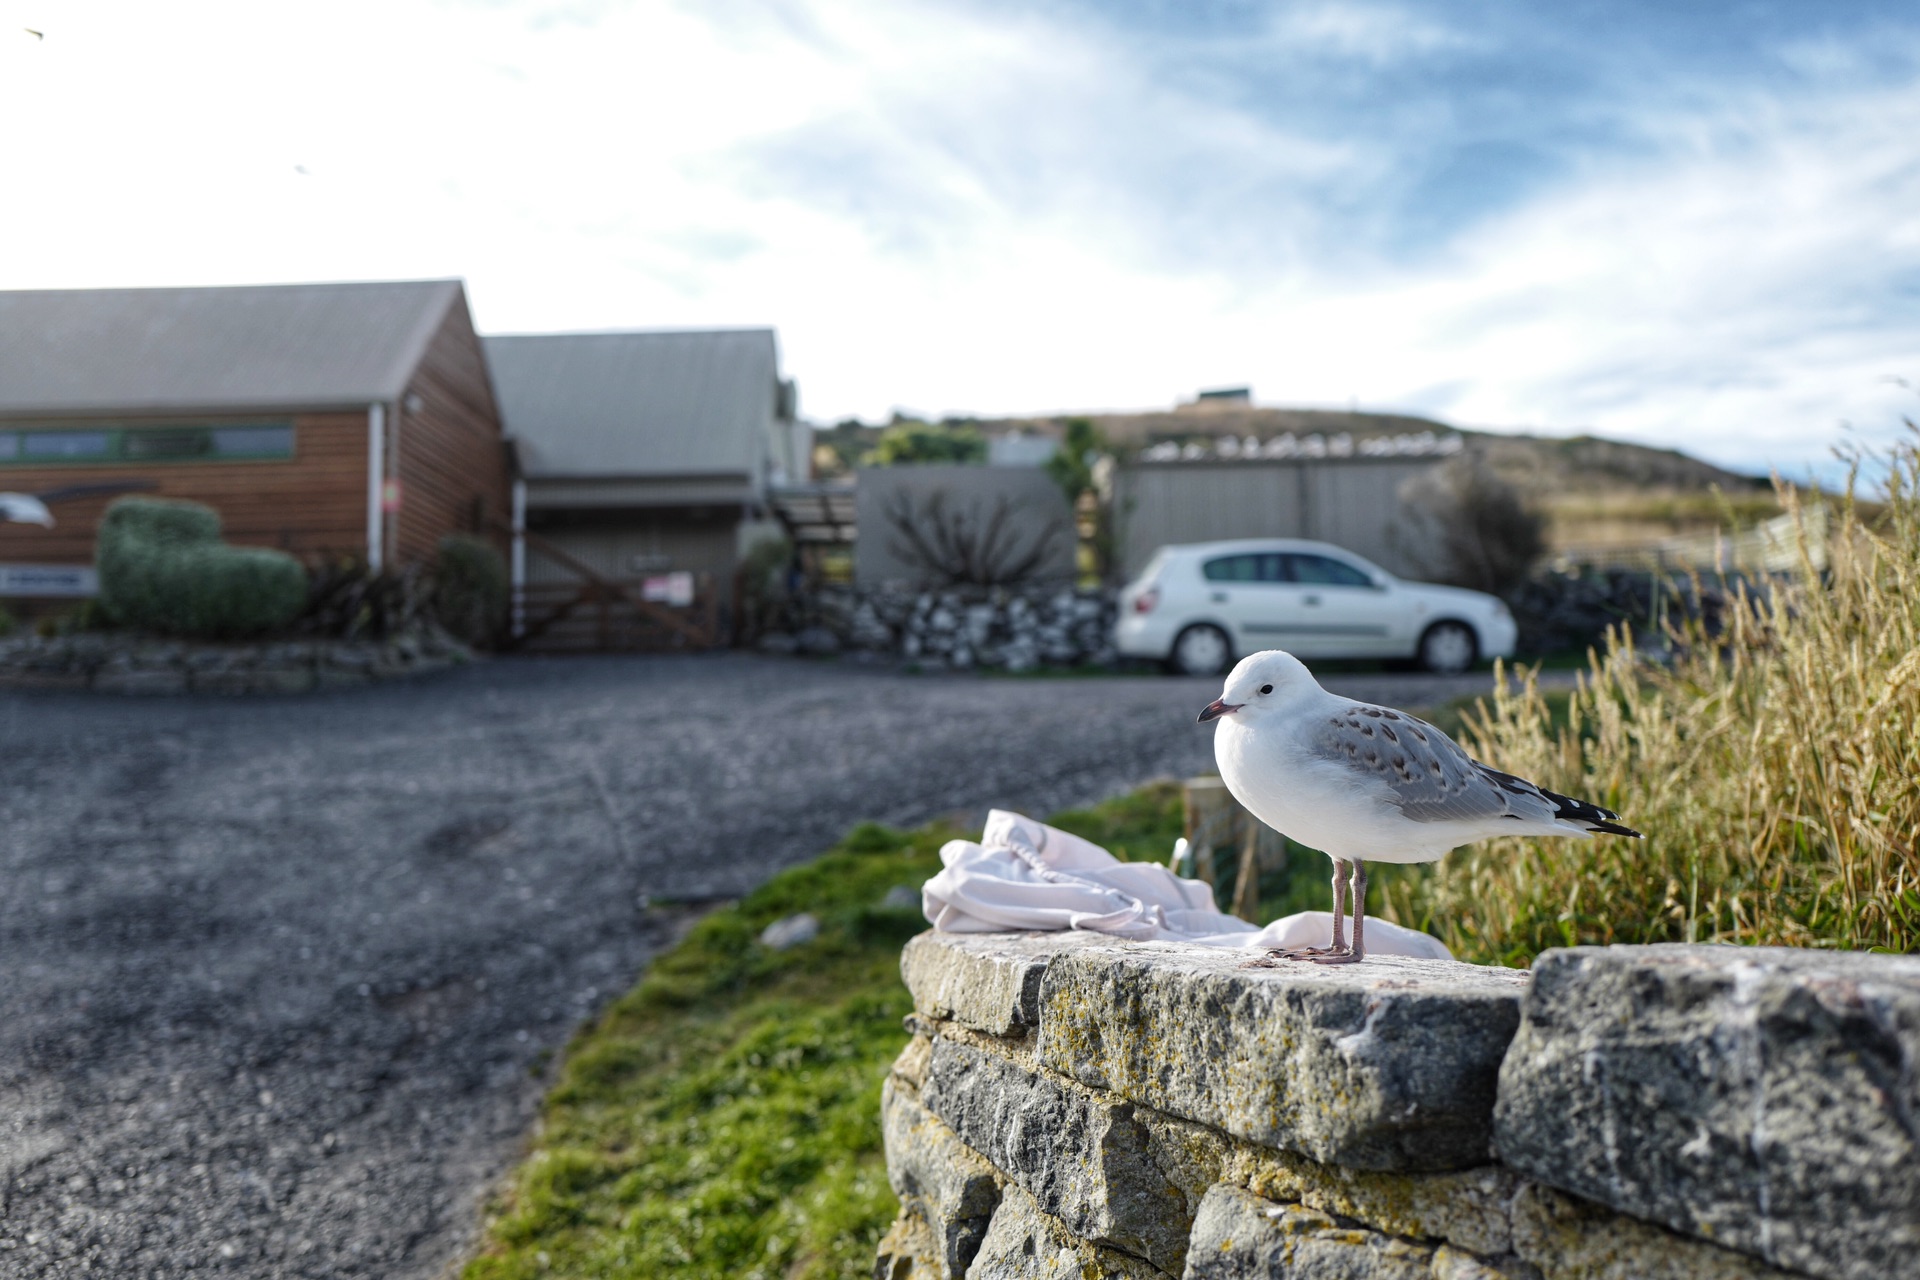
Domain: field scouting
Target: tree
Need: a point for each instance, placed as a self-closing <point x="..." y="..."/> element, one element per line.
<point x="1466" y="526"/>
<point x="1072" y="468"/>
<point x="908" y="441"/>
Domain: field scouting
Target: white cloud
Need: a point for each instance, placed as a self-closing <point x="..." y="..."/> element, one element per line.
<point x="963" y="214"/>
<point x="1373" y="33"/>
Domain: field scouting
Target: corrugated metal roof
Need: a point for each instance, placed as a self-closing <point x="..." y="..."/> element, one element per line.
<point x="86" y="351"/>
<point x="630" y="404"/>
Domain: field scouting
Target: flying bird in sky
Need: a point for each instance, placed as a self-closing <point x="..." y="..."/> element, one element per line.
<point x="1368" y="784"/>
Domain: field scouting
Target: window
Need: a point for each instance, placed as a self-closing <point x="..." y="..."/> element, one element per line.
<point x="183" y="442"/>
<point x="62" y="446"/>
<point x="1324" y="570"/>
<point x="1249" y="568"/>
<point x="252" y="442"/>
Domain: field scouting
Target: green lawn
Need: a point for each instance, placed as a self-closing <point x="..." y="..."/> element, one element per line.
<point x="723" y="1118"/>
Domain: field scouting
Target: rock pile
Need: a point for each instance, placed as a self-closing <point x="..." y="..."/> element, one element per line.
<point x="1017" y="629"/>
<point x="127" y="662"/>
<point x="1070" y="1105"/>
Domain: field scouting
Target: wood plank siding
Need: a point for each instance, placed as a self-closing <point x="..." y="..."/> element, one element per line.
<point x="450" y="457"/>
<point x="442" y="442"/>
<point x="313" y="503"/>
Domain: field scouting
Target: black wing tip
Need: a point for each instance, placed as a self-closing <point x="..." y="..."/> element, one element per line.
<point x="1589" y="815"/>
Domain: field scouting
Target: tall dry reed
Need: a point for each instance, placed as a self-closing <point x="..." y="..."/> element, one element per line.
<point x="1774" y="767"/>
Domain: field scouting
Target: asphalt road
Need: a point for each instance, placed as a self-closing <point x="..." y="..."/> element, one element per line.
<point x="279" y="974"/>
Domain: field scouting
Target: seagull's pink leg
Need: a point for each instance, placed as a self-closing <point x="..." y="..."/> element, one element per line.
<point x="1358" y="952"/>
<point x="1339" y="945"/>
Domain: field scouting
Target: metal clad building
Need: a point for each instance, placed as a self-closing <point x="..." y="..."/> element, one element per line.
<point x="644" y="453"/>
<point x="1026" y="506"/>
<point x="1350" y="502"/>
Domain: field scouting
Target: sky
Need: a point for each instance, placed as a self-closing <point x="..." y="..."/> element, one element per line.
<point x="1691" y="225"/>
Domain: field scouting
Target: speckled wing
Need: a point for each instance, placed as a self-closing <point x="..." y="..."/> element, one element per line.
<point x="1426" y="771"/>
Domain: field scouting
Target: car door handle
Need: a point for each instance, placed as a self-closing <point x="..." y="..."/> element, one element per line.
<point x="1219" y="597"/>
<point x="1311" y="600"/>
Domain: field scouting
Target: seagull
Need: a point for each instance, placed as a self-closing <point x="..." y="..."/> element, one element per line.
<point x="1363" y="783"/>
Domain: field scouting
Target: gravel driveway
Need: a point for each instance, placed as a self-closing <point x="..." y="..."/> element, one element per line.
<point x="279" y="975"/>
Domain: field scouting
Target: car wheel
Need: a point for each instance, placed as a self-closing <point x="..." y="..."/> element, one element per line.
<point x="1448" y="648"/>
<point x="1201" y="650"/>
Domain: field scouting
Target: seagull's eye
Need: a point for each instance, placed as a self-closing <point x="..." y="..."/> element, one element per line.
<point x="1266" y="688"/>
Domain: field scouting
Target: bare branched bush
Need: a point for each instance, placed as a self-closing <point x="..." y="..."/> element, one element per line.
<point x="1464" y="525"/>
<point x="951" y="545"/>
<point x="1774" y="765"/>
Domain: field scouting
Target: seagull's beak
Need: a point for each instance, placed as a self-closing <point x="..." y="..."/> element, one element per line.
<point x="1217" y="708"/>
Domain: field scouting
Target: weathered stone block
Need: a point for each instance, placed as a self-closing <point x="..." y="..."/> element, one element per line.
<point x="1450" y="1263"/>
<point x="1084" y="1159"/>
<point x="288" y="679"/>
<point x="987" y="981"/>
<point x="911" y="1065"/>
<point x="1569" y="1239"/>
<point x="1024" y="1243"/>
<point x="951" y="1189"/>
<point x="141" y="683"/>
<point x="907" y="1251"/>
<point x="1761" y="1098"/>
<point x="1389" y="1065"/>
<point x="1239" y="1236"/>
<point x="1467" y="1207"/>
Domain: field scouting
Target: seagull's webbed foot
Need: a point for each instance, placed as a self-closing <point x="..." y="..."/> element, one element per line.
<point x="1339" y="944"/>
<point x="1339" y="953"/>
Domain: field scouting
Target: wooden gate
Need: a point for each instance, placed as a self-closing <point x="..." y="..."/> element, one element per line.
<point x="592" y="612"/>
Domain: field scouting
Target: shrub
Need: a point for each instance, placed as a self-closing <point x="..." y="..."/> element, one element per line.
<point x="470" y="588"/>
<point x="350" y="601"/>
<point x="909" y="442"/>
<point x="1468" y="527"/>
<point x="163" y="568"/>
<point x="1773" y="765"/>
<point x="8" y="623"/>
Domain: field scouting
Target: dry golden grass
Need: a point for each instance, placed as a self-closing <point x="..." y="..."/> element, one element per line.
<point x="1775" y="769"/>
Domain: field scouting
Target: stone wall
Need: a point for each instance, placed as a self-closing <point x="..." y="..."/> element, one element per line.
<point x="1016" y="628"/>
<point x="1073" y="1106"/>
<point x="122" y="662"/>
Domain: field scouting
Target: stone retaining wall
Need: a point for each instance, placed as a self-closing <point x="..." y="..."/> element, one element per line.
<point x="120" y="662"/>
<point x="1017" y="628"/>
<point x="1073" y="1106"/>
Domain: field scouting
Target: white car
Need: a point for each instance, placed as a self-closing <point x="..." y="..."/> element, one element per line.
<point x="1200" y="606"/>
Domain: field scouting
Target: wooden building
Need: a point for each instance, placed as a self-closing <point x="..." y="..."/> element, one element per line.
<point x="642" y="458"/>
<point x="323" y="419"/>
